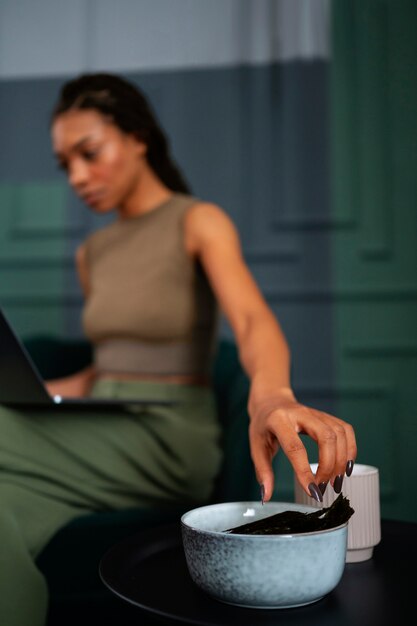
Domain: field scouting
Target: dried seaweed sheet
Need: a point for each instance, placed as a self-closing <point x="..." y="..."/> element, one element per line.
<point x="292" y="522"/>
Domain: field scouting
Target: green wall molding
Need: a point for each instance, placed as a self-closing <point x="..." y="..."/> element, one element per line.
<point x="374" y="139"/>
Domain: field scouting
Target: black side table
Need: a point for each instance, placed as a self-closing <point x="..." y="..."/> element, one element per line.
<point x="149" y="570"/>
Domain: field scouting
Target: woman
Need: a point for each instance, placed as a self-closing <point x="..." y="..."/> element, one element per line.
<point x="152" y="281"/>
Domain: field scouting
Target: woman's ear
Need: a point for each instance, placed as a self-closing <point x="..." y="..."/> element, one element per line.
<point x="140" y="146"/>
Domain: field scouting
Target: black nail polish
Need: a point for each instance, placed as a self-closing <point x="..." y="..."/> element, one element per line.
<point x="338" y="481"/>
<point x="349" y="468"/>
<point x="262" y="494"/>
<point x="315" y="492"/>
<point x="322" y="487"/>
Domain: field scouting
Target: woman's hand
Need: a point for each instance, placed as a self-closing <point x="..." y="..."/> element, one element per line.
<point x="74" y="386"/>
<point x="278" y="421"/>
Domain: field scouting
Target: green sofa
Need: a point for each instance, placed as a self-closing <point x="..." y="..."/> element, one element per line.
<point x="70" y="561"/>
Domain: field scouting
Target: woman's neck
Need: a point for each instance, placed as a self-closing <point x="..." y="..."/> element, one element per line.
<point x="148" y="194"/>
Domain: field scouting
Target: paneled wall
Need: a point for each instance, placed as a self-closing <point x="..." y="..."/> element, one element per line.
<point x="264" y="125"/>
<point x="374" y="139"/>
<point x="247" y="117"/>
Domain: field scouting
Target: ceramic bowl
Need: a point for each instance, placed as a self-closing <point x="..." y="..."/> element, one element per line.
<point x="260" y="571"/>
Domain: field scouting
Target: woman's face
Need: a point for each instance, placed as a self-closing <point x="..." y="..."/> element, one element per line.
<point x="103" y="164"/>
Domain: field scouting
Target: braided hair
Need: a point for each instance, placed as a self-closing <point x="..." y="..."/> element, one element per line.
<point x="130" y="111"/>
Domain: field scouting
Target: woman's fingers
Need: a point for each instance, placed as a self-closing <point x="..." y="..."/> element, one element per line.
<point x="344" y="454"/>
<point x="332" y="465"/>
<point x="263" y="448"/>
<point x="336" y="448"/>
<point x="296" y="453"/>
<point x="265" y="445"/>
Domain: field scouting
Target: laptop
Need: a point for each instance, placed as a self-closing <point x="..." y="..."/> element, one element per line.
<point x="21" y="384"/>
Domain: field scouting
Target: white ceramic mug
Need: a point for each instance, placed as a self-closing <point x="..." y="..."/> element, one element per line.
<point x="362" y="490"/>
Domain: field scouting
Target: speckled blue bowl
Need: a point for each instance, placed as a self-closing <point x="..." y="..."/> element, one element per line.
<point x="260" y="571"/>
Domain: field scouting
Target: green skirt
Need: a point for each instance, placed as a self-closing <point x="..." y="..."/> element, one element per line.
<point x="58" y="465"/>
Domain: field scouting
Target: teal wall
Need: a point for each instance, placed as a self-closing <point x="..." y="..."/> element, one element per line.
<point x="374" y="252"/>
<point x="253" y="139"/>
<point x="314" y="159"/>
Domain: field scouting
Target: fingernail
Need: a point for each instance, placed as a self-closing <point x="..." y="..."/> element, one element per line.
<point x="262" y="494"/>
<point x="337" y="485"/>
<point x="349" y="468"/>
<point x="322" y="487"/>
<point x="315" y="492"/>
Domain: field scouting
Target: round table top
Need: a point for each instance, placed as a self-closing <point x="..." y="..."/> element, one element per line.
<point x="149" y="570"/>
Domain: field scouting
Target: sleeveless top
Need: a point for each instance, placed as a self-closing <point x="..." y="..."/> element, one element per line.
<point x="150" y="309"/>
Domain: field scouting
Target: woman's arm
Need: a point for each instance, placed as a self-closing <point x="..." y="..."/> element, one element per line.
<point x="276" y="418"/>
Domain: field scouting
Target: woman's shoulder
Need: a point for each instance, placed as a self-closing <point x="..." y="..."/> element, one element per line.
<point x="207" y="214"/>
<point x="207" y="223"/>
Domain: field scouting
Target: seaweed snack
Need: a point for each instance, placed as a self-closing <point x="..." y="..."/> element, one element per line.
<point x="291" y="522"/>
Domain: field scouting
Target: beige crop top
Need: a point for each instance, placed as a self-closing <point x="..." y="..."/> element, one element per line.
<point x="150" y="309"/>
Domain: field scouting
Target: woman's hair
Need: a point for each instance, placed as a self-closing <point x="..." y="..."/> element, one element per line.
<point x="130" y="111"/>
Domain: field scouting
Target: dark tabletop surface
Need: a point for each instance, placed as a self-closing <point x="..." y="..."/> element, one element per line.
<point x="148" y="570"/>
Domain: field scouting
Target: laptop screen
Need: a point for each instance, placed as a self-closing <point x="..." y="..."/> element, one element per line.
<point x="19" y="378"/>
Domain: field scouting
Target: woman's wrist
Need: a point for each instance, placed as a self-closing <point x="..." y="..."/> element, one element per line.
<point x="263" y="401"/>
